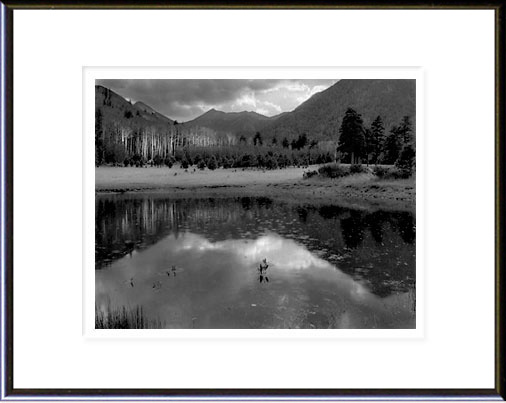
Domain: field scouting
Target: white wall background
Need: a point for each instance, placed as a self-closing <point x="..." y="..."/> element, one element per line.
<point x="455" y="50"/>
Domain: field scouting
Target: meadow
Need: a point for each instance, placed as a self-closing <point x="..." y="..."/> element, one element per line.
<point x="364" y="188"/>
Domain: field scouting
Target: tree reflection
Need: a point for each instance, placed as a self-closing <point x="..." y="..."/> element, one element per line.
<point x="378" y="243"/>
<point x="353" y="229"/>
<point x="376" y="222"/>
<point x="404" y="223"/>
<point x="302" y="212"/>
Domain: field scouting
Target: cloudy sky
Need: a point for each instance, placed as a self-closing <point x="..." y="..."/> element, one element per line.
<point x="184" y="100"/>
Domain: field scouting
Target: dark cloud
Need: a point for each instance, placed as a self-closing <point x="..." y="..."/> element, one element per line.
<point x="186" y="99"/>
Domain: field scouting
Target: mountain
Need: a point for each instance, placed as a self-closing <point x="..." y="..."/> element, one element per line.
<point x="117" y="110"/>
<point x="146" y="109"/>
<point x="231" y="122"/>
<point x="321" y="115"/>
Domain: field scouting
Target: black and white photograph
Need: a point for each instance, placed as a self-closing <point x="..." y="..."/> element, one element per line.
<point x="255" y="203"/>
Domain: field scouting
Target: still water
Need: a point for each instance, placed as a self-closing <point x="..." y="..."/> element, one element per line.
<point x="195" y="263"/>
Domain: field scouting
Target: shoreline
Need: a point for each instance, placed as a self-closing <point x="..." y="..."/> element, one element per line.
<point x="360" y="190"/>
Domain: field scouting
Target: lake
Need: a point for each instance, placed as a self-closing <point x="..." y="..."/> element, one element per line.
<point x="251" y="263"/>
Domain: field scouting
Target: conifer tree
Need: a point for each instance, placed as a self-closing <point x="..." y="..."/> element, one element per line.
<point x="406" y="130"/>
<point x="352" y="136"/>
<point x="393" y="146"/>
<point x="377" y="138"/>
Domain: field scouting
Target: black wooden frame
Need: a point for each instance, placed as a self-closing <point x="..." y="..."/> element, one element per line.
<point x="8" y="391"/>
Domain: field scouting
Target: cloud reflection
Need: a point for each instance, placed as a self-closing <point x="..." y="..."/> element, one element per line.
<point x="282" y="253"/>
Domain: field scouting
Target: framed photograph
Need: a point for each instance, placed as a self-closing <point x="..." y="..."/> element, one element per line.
<point x="209" y="194"/>
<point x="252" y="201"/>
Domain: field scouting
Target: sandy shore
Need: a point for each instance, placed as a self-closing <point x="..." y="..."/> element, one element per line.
<point x="288" y="184"/>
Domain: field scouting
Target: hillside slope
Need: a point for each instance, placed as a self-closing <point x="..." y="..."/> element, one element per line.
<point x="321" y="115"/>
<point x="116" y="109"/>
<point x="149" y="111"/>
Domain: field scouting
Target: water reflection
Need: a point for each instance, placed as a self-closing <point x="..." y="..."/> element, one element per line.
<point x="215" y="287"/>
<point x="249" y="262"/>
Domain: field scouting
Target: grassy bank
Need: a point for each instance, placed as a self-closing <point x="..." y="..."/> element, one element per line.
<point x="288" y="184"/>
<point x="124" y="318"/>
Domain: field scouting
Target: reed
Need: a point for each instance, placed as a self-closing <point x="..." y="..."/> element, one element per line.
<point x="124" y="318"/>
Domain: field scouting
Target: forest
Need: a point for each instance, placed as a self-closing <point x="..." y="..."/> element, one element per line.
<point x="118" y="144"/>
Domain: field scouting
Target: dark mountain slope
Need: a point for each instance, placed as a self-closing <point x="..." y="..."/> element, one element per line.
<point x="231" y="122"/>
<point x="321" y="115"/>
<point x="117" y="110"/>
<point x="148" y="110"/>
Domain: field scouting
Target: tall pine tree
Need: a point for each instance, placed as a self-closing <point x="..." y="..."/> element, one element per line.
<point x="393" y="146"/>
<point x="369" y="144"/>
<point x="406" y="130"/>
<point x="377" y="138"/>
<point x="352" y="136"/>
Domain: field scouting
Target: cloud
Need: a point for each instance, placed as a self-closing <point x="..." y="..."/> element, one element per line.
<point x="273" y="106"/>
<point x="186" y="99"/>
<point x="247" y="100"/>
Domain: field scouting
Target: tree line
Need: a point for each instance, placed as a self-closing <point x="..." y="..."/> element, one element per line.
<point x="128" y="146"/>
<point x="295" y="144"/>
<point x="236" y="157"/>
<point x="358" y="144"/>
<point x="117" y="140"/>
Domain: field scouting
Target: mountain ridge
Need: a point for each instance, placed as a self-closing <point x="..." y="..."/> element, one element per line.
<point x="238" y="123"/>
<point x="319" y="116"/>
<point x="115" y="109"/>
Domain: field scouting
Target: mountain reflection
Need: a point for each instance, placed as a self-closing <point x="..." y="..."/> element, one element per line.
<point x="377" y="248"/>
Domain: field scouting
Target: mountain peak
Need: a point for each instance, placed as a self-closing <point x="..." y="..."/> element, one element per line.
<point x="244" y="122"/>
<point x="213" y="111"/>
